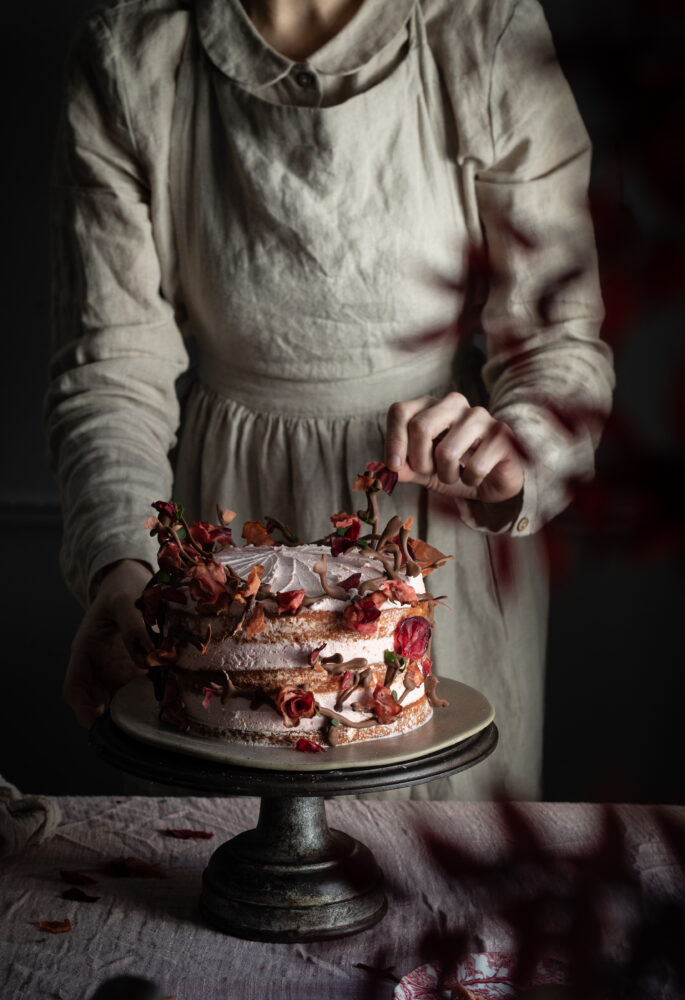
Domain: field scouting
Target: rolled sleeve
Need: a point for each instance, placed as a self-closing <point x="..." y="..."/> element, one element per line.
<point x="548" y="375"/>
<point x="111" y="408"/>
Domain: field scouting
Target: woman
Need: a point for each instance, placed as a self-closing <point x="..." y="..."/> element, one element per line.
<point x="285" y="183"/>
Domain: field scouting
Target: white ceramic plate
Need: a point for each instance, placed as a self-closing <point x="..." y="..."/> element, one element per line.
<point x="135" y="711"/>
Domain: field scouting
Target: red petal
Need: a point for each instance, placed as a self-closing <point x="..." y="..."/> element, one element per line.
<point x="255" y="533"/>
<point x="386" y="478"/>
<point x="55" y="926"/>
<point x="289" y="601"/>
<point x="412" y="636"/>
<point x="314" y="655"/>
<point x="308" y="746"/>
<point x="352" y="582"/>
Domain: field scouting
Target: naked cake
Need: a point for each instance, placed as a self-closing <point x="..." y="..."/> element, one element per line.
<point x="288" y="643"/>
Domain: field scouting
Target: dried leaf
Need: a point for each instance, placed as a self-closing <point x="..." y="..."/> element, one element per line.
<point x="55" y="926"/>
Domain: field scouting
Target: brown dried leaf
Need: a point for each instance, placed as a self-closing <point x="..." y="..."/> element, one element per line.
<point x="55" y="926"/>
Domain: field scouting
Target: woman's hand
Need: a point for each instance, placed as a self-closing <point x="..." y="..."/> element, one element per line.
<point x="453" y="448"/>
<point x="110" y="645"/>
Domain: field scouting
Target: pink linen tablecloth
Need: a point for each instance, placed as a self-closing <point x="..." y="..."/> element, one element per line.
<point x="150" y="927"/>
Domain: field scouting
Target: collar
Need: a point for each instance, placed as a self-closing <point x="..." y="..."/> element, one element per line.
<point x="238" y="50"/>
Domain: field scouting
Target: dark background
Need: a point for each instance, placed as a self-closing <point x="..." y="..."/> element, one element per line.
<point x="615" y="663"/>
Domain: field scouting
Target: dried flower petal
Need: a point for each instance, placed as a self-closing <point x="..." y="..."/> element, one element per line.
<point x="386" y="478"/>
<point x="166" y="507"/>
<point x="341" y="543"/>
<point x="383" y="704"/>
<point x="289" y="601"/>
<point x="425" y="555"/>
<point x="187" y="834"/>
<point x="164" y="655"/>
<point x="257" y="622"/>
<point x="362" y="616"/>
<point x="255" y="533"/>
<point x="352" y="582"/>
<point x="398" y="590"/>
<point x="78" y="895"/>
<point x="308" y="746"/>
<point x="412" y="636"/>
<point x="208" y="695"/>
<point x="426" y="665"/>
<point x="363" y="483"/>
<point x="347" y="680"/>
<point x="55" y="926"/>
<point x="343" y="519"/>
<point x="314" y="655"/>
<point x="295" y="704"/>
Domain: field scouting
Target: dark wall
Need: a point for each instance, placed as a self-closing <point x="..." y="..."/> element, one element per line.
<point x="615" y="688"/>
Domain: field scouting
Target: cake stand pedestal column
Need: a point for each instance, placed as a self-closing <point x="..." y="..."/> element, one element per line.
<point x="292" y="878"/>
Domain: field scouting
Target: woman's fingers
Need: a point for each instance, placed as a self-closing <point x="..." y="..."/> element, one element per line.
<point x="453" y="448"/>
<point x="397" y="430"/>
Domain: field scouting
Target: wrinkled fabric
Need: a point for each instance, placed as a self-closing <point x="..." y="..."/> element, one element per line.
<point x="301" y="235"/>
<point x="25" y="820"/>
<point x="151" y="927"/>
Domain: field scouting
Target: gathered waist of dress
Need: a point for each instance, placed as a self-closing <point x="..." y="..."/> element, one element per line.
<point x="361" y="394"/>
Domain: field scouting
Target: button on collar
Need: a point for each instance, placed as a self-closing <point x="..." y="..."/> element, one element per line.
<point x="304" y="79"/>
<point x="523" y="524"/>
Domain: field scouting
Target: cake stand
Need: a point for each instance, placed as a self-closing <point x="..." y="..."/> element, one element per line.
<point x="293" y="878"/>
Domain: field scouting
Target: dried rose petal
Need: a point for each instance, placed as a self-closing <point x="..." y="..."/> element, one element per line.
<point x="187" y="834"/>
<point x="221" y="537"/>
<point x="131" y="868"/>
<point x="343" y="519"/>
<point x="341" y="543"/>
<point x="398" y="590"/>
<point x="347" y="680"/>
<point x="255" y="533"/>
<point x="362" y="616"/>
<point x="153" y="524"/>
<point x="55" y="926"/>
<point x="169" y="557"/>
<point x="76" y="878"/>
<point x="314" y="655"/>
<point x="426" y="665"/>
<point x="257" y="622"/>
<point x="308" y="746"/>
<point x="412" y="636"/>
<point x="289" y="601"/>
<point x="383" y="704"/>
<point x="78" y="895"/>
<point x="352" y="582"/>
<point x="252" y="584"/>
<point x="295" y="704"/>
<point x="414" y="674"/>
<point x="386" y="478"/>
<point x="207" y="587"/>
<point x="164" y="655"/>
<point x="167" y="507"/>
<point x="363" y="483"/>
<point x="425" y="555"/>
<point x="208" y="695"/>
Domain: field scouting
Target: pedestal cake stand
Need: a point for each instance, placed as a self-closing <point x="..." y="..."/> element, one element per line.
<point x="293" y="878"/>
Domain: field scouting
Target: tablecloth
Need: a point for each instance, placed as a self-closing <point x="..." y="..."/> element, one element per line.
<point x="151" y="926"/>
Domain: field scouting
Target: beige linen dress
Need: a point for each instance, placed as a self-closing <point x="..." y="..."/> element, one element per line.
<point x="294" y="219"/>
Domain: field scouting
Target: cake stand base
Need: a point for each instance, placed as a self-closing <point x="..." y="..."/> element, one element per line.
<point x="292" y="878"/>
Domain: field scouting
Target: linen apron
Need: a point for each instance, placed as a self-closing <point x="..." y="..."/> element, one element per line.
<point x="342" y="217"/>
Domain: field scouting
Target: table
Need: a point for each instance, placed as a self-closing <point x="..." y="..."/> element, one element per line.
<point x="151" y="926"/>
